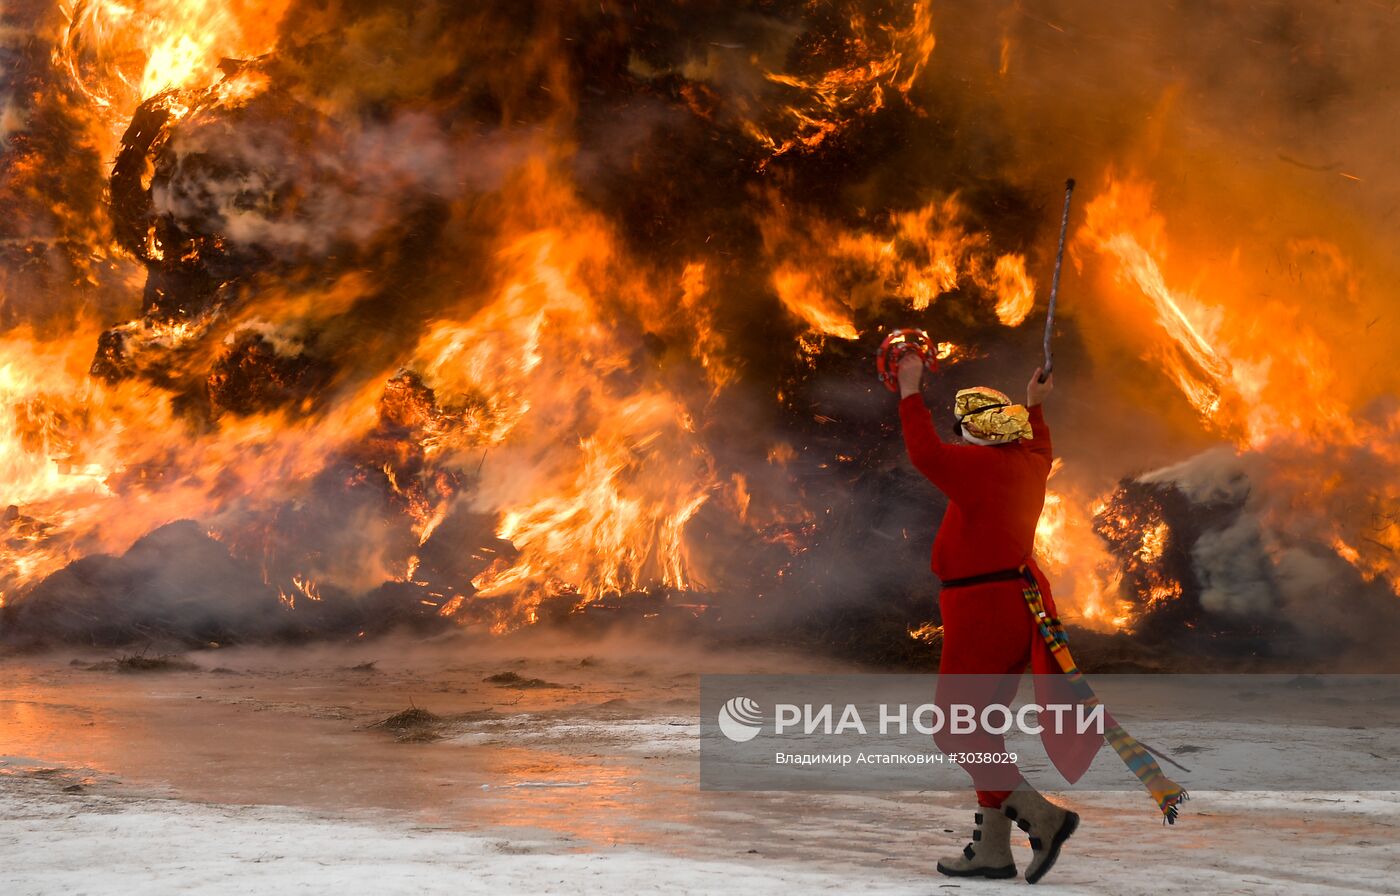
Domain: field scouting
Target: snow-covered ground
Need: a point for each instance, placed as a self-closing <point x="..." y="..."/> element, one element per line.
<point x="57" y="844"/>
<point x="265" y="777"/>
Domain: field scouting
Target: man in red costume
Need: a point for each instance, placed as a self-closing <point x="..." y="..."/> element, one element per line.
<point x="995" y="486"/>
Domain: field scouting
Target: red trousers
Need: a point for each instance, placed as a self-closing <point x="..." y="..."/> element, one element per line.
<point x="988" y="630"/>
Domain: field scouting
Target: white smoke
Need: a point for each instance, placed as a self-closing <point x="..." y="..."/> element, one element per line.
<point x="1276" y="553"/>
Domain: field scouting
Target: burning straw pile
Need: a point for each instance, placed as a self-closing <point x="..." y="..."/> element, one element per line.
<point x="326" y="318"/>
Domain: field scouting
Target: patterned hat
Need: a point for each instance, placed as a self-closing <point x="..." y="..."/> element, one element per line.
<point x="989" y="415"/>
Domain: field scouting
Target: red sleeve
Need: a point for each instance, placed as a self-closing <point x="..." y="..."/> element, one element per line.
<point x="953" y="468"/>
<point x="1039" y="443"/>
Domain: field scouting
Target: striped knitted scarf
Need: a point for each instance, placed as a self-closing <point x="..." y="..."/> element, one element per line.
<point x="1140" y="762"/>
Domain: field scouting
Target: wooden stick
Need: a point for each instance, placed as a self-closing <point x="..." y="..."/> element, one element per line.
<point x="1055" y="284"/>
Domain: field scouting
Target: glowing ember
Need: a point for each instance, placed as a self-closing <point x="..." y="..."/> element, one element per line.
<point x="929" y="633"/>
<point x="871" y="62"/>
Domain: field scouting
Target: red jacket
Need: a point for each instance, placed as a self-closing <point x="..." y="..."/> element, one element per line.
<point x="995" y="493"/>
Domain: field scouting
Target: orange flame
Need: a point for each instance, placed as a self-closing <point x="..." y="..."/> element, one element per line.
<point x="1254" y="371"/>
<point x="874" y="60"/>
<point x="825" y="275"/>
<point x="120" y="53"/>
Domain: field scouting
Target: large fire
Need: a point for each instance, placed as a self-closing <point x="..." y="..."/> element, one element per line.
<point x="500" y="309"/>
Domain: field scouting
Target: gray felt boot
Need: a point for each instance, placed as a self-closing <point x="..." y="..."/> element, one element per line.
<point x="989" y="853"/>
<point x="1048" y="825"/>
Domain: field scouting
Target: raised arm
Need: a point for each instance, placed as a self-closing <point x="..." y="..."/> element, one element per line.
<point x="1036" y="392"/>
<point x="949" y="467"/>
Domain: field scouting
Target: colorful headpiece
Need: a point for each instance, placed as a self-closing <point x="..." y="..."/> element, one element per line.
<point x="989" y="416"/>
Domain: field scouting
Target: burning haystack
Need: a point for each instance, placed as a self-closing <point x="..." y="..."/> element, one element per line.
<point x="325" y="316"/>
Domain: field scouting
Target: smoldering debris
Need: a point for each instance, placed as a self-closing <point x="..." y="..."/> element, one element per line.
<point x="140" y="664"/>
<point x="179" y="586"/>
<point x="416" y="725"/>
<point x="520" y="682"/>
<point x="413" y="725"/>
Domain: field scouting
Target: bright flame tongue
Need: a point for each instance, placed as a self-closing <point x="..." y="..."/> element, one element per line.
<point x="1120" y="225"/>
<point x="122" y="53"/>
<point x="593" y="465"/>
<point x="1249" y="368"/>
<point x="824" y="275"/>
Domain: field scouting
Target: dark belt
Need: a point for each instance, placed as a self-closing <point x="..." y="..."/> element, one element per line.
<point x="1001" y="575"/>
